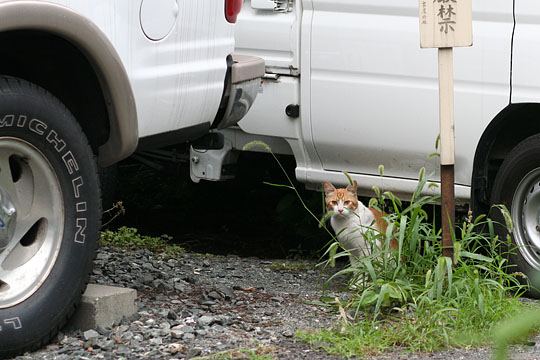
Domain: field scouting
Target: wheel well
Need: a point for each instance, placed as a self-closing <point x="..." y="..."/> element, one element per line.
<point x="511" y="126"/>
<point x="61" y="68"/>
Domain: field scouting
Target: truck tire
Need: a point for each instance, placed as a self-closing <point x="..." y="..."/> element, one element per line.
<point x="517" y="186"/>
<point x="49" y="215"/>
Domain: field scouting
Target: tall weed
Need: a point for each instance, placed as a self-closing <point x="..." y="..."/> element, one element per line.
<point x="412" y="297"/>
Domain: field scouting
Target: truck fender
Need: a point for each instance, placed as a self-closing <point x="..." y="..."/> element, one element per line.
<point x="99" y="51"/>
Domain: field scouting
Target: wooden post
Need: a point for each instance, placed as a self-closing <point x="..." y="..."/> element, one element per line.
<point x="446" y="116"/>
<point x="446" y="105"/>
<point x="445" y="25"/>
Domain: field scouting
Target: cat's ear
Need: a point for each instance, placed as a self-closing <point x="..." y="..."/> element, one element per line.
<point x="328" y="188"/>
<point x="353" y="187"/>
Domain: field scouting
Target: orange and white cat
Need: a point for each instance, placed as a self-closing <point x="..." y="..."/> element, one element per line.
<point x="351" y="219"/>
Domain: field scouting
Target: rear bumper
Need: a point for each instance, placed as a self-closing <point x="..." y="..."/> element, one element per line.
<point x="244" y="83"/>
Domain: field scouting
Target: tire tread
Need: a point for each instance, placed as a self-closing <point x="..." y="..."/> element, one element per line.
<point x="12" y="85"/>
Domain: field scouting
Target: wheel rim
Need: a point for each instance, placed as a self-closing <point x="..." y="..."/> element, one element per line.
<point x="526" y="217"/>
<point x="31" y="220"/>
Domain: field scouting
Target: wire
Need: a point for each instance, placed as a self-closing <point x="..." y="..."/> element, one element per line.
<point x="512" y="50"/>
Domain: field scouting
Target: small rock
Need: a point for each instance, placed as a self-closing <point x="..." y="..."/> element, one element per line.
<point x="180" y="287"/>
<point x="171" y="315"/>
<point x="201" y="332"/>
<point x="205" y="320"/>
<point x="218" y="328"/>
<point x="214" y="295"/>
<point x="175" y="348"/>
<point x="90" y="334"/>
<point x="163" y="312"/>
<point x="187" y="329"/>
<point x="196" y="351"/>
<point x="227" y="292"/>
<point x="106" y="345"/>
<point x="288" y="333"/>
<point x="122" y="329"/>
<point x="147" y="279"/>
<point x="176" y="333"/>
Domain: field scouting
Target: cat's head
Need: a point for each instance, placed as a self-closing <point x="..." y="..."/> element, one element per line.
<point x="342" y="201"/>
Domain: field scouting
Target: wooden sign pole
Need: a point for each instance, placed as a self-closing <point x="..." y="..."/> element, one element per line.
<point x="446" y="116"/>
<point x="445" y="24"/>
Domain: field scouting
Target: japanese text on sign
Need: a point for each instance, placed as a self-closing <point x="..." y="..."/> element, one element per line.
<point x="445" y="23"/>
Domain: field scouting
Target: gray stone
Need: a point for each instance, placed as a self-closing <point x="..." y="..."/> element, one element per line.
<point x="171" y="315"/>
<point x="180" y="287"/>
<point x="105" y="345"/>
<point x="90" y="334"/>
<point x="205" y="320"/>
<point x="147" y="279"/>
<point x="218" y="328"/>
<point x="196" y="351"/>
<point x="288" y="333"/>
<point x="214" y="295"/>
<point x="186" y="329"/>
<point x="177" y="332"/>
<point x="102" y="306"/>
<point x="227" y="292"/>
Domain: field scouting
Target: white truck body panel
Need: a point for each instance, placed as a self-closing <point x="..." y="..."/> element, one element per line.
<point x="274" y="38"/>
<point x="177" y="81"/>
<point x="369" y="94"/>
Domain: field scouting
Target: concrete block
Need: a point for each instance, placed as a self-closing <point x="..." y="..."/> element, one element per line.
<point x="103" y="306"/>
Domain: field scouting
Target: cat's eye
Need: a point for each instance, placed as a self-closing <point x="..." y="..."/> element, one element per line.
<point x="333" y="203"/>
<point x="347" y="203"/>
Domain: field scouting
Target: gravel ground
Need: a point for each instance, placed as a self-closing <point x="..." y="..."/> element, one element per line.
<point x="195" y="305"/>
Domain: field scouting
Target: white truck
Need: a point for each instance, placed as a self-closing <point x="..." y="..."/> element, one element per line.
<point x="347" y="88"/>
<point x="83" y="84"/>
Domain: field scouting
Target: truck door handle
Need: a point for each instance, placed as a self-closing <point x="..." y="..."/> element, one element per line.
<point x="272" y="5"/>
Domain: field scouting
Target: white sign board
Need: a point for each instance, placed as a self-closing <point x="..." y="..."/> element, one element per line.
<point x="445" y="23"/>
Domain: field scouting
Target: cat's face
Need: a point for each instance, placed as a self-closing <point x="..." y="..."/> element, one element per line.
<point x="341" y="201"/>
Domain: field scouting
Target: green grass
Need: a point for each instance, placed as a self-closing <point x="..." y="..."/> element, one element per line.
<point x="414" y="299"/>
<point x="129" y="238"/>
<point x="423" y="331"/>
